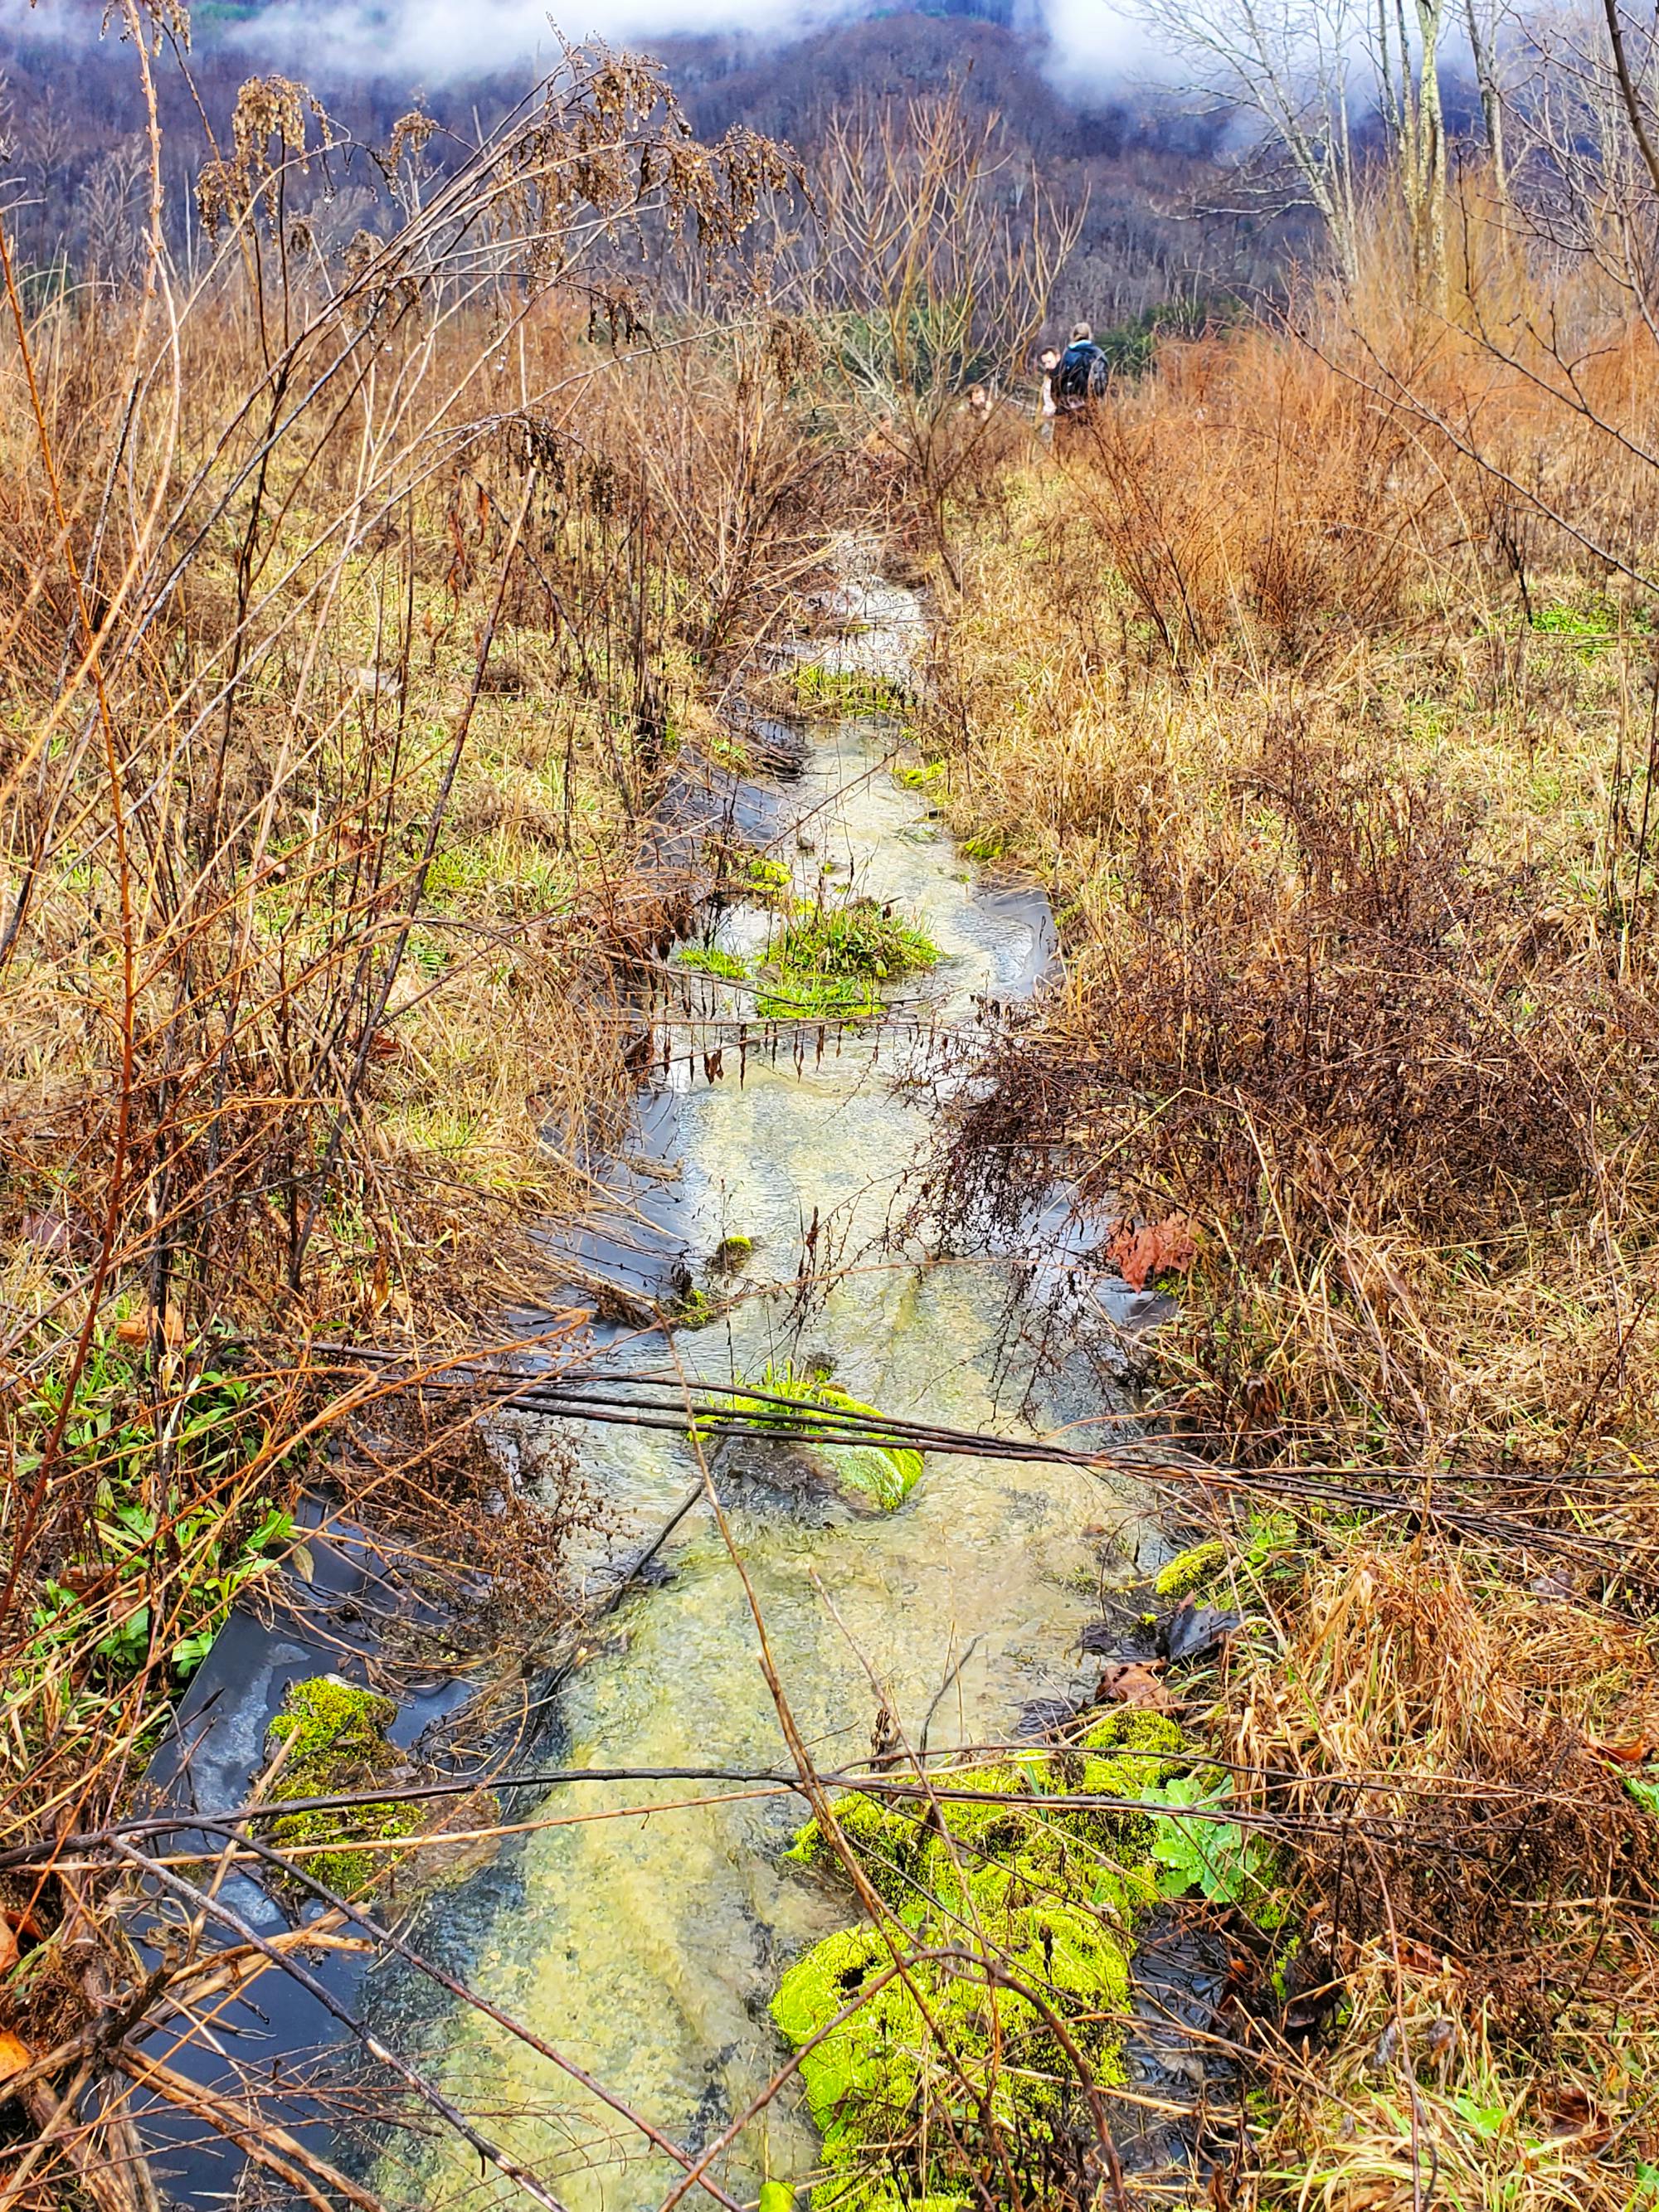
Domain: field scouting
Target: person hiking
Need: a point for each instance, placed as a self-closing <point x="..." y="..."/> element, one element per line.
<point x="1047" y="364"/>
<point x="1081" y="376"/>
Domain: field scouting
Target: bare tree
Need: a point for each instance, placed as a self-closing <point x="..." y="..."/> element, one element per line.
<point x="1307" y="76"/>
<point x="933" y="257"/>
<point x="1481" y="21"/>
<point x="1408" y="81"/>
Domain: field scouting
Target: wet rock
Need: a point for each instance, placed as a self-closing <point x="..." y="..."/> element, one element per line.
<point x="731" y="1255"/>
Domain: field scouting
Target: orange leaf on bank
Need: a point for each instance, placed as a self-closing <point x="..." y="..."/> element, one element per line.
<point x="1157" y="1248"/>
<point x="1627" y="1755"/>
<point x="1134" y="1686"/>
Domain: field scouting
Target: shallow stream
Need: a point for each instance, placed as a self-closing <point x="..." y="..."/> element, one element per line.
<point x="647" y="1946"/>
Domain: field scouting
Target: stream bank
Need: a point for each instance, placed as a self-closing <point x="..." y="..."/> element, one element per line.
<point x="649" y="1948"/>
<point x="765" y="1192"/>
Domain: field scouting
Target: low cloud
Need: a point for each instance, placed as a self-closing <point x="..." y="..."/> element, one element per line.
<point x="447" y="41"/>
<point x="1088" y="44"/>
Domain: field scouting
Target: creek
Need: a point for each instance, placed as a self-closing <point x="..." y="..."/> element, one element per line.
<point x="647" y="1946"/>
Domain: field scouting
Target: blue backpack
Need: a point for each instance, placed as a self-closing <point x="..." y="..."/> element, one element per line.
<point x="1081" y="374"/>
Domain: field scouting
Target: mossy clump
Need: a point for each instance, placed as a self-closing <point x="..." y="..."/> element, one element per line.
<point x="1190" y="1569"/>
<point x="798" y="996"/>
<point x="889" y="1837"/>
<point x="846" y="691"/>
<point x="1128" y="1755"/>
<point x="903" y="2107"/>
<point x="693" y="1307"/>
<point x="709" y="960"/>
<point x="731" y="1255"/>
<point x="861" y="939"/>
<point x="337" y="1732"/>
<point x="828" y="963"/>
<point x="881" y="1469"/>
<point x="745" y="871"/>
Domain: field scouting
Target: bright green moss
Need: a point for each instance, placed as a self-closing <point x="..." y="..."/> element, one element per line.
<point x="828" y="962"/>
<point x="884" y="1472"/>
<point x="339" y="1744"/>
<point x="330" y="1724"/>
<point x="694" y="1309"/>
<point x="1046" y="1893"/>
<point x="1188" y="1571"/>
<point x="846" y="691"/>
<point x="886" y="1836"/>
<point x="709" y="960"/>
<point x="798" y="996"/>
<point x="764" y="877"/>
<point x="750" y="874"/>
<point x="1130" y="1753"/>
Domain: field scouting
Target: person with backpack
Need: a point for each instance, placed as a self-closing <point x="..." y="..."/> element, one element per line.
<point x="1082" y="373"/>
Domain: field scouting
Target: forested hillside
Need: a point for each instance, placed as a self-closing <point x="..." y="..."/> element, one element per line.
<point x="1145" y="175"/>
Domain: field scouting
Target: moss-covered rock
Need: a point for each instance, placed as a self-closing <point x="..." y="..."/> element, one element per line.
<point x="1190" y="1569"/>
<point x="883" y="1471"/>
<point x="907" y="2090"/>
<point x="692" y="1307"/>
<point x="1128" y="1754"/>
<point x="336" y="1732"/>
<point x="731" y="1255"/>
<point x="889" y="1839"/>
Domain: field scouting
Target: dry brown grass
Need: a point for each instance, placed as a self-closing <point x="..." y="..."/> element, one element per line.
<point x="1337" y="750"/>
<point x="358" y="606"/>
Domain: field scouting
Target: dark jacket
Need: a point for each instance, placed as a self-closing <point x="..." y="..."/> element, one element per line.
<point x="1081" y="376"/>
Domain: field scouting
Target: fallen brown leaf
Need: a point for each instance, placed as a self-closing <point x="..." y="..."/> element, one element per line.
<point x="1156" y="1248"/>
<point x="87" y="1582"/>
<point x="1419" y="1957"/>
<point x="1627" y="1755"/>
<point x="137" y="1328"/>
<point x="15" y="2055"/>
<point x="1129" y="1685"/>
<point x="1570" y="2111"/>
<point x="9" y="1952"/>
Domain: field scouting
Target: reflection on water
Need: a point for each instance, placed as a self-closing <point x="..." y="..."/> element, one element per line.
<point x="647" y="1947"/>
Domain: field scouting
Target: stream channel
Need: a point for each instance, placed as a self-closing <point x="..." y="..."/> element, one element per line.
<point x="647" y="1947"/>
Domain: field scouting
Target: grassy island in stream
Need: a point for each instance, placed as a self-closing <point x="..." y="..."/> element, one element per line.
<point x="830" y="959"/>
